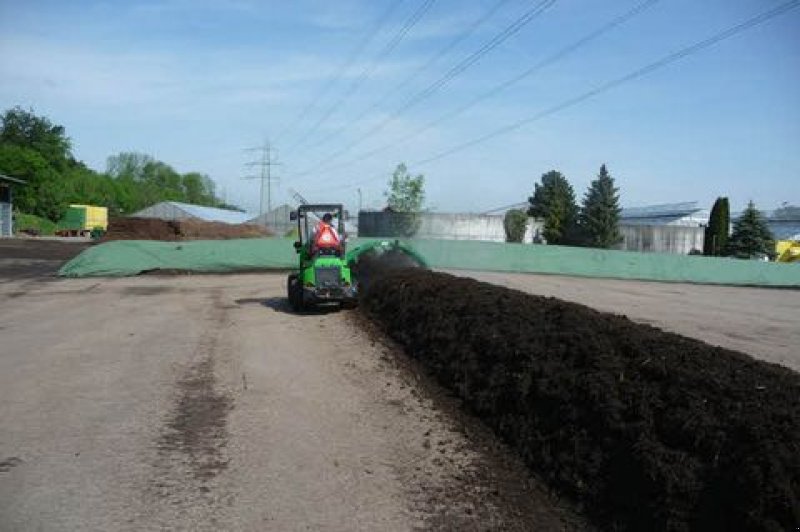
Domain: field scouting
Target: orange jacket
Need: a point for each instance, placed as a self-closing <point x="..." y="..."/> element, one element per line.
<point x="326" y="236"/>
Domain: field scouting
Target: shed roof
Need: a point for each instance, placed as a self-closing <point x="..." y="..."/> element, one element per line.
<point x="662" y="210"/>
<point x="10" y="179"/>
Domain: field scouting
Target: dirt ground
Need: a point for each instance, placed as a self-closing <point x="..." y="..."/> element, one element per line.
<point x="201" y="403"/>
<point x="762" y="322"/>
<point x="34" y="258"/>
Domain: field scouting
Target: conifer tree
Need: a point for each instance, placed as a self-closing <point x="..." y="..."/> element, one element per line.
<point x="715" y="239"/>
<point x="750" y="236"/>
<point x="599" y="217"/>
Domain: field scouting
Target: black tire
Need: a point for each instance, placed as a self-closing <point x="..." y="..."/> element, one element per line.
<point x="295" y="293"/>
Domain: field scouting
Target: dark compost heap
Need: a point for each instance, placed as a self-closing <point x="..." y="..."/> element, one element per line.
<point x="645" y="429"/>
<point x="134" y="228"/>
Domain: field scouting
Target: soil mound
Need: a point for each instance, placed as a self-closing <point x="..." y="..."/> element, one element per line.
<point x="133" y="228"/>
<point x="646" y="429"/>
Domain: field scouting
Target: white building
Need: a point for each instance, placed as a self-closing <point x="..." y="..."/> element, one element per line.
<point x="174" y="210"/>
<point x="686" y="214"/>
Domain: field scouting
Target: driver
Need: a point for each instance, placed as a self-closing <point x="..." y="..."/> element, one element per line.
<point x="325" y="235"/>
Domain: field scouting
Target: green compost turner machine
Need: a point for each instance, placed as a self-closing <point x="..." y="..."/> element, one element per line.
<point x="335" y="276"/>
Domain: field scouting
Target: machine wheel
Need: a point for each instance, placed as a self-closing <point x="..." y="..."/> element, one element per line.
<point x="295" y="293"/>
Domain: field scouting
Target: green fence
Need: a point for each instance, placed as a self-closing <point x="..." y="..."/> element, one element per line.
<point x="586" y="262"/>
<point x="132" y="257"/>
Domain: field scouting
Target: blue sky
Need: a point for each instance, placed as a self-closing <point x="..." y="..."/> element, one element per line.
<point x="194" y="82"/>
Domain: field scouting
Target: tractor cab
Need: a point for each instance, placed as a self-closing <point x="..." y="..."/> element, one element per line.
<point x="323" y="275"/>
<point x="314" y="238"/>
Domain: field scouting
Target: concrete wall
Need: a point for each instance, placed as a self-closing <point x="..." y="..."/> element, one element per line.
<point x="661" y="238"/>
<point x="484" y="227"/>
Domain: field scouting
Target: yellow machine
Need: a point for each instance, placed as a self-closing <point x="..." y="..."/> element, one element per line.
<point x="787" y="251"/>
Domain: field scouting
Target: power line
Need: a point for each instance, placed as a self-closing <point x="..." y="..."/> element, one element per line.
<point x="266" y="162"/>
<point x="458" y="39"/>
<point x="454" y="71"/>
<point x="356" y="83"/>
<point x="559" y="55"/>
<point x="638" y="73"/>
<point x="661" y="63"/>
<point x="554" y="58"/>
<point x="344" y="67"/>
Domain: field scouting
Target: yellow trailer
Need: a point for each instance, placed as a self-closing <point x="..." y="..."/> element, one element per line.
<point x="81" y="220"/>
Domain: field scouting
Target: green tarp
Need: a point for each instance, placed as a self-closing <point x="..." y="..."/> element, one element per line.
<point x="132" y="257"/>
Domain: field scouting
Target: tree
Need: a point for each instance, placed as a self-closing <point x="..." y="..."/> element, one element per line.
<point x="515" y="222"/>
<point x="43" y="194"/>
<point x="715" y="238"/>
<point x="24" y="129"/>
<point x="554" y="201"/>
<point x="406" y="193"/>
<point x="128" y="165"/>
<point x="599" y="218"/>
<point x="750" y="236"/>
<point x="405" y="198"/>
<point x="36" y="150"/>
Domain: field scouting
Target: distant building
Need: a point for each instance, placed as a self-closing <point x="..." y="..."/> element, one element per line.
<point x="686" y="214"/>
<point x="7" y="204"/>
<point x="783" y="228"/>
<point x="667" y="228"/>
<point x="173" y="210"/>
<point x="444" y="226"/>
<point x="277" y="220"/>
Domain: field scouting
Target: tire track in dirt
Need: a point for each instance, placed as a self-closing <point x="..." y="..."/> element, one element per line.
<point x="192" y="445"/>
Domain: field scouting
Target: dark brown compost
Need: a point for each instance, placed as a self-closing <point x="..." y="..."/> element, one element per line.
<point x="645" y="429"/>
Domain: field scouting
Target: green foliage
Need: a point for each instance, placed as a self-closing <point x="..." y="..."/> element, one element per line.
<point x="25" y="129"/>
<point x="554" y="201"/>
<point x="751" y="236"/>
<point x="38" y="151"/>
<point x="515" y="222"/>
<point x="406" y="193"/>
<point x="599" y="218"/>
<point x="715" y="237"/>
<point x="35" y="224"/>
<point x="405" y="197"/>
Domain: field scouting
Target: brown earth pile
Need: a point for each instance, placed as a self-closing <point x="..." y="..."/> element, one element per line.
<point x="132" y="228"/>
<point x="646" y="429"/>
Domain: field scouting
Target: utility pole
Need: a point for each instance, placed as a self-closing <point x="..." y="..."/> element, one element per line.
<point x="265" y="163"/>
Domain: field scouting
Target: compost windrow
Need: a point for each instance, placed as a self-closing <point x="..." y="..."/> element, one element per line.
<point x="645" y="429"/>
<point x="135" y="228"/>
